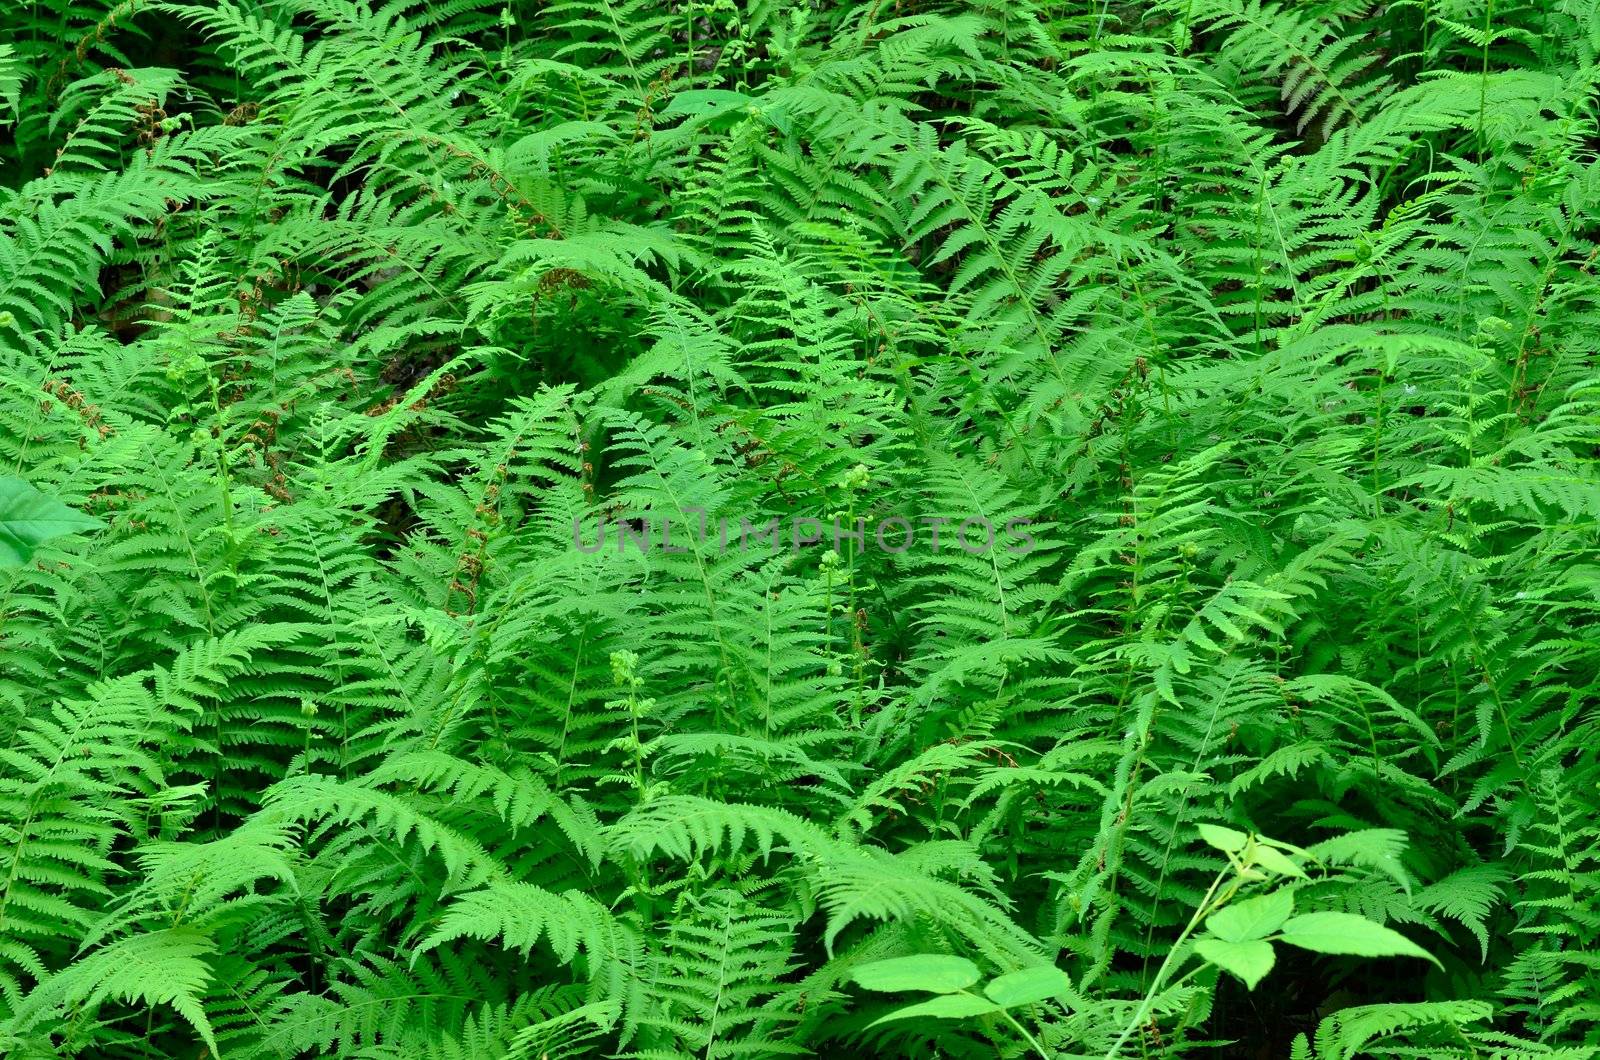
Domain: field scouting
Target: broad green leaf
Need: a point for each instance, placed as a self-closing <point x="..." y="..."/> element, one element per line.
<point x="1276" y="861"/>
<point x="951" y="1006"/>
<point x="29" y="518"/>
<point x="1346" y="933"/>
<point x="1225" y="839"/>
<point x="701" y="102"/>
<point x="1028" y="985"/>
<point x="933" y="972"/>
<point x="1253" y="918"/>
<point x="1249" y="960"/>
<point x="1287" y="848"/>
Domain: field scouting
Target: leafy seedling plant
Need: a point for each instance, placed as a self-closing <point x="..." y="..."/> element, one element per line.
<point x="1226" y="931"/>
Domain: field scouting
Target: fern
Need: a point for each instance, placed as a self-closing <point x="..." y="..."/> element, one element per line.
<point x="472" y="476"/>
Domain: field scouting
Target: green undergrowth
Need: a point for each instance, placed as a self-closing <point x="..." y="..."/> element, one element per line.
<point x="334" y="335"/>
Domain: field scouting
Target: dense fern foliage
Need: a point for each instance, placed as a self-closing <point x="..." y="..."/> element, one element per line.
<point x="426" y="429"/>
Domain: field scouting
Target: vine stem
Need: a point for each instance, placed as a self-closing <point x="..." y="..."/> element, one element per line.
<point x="1148" y="1001"/>
<point x="1020" y="1029"/>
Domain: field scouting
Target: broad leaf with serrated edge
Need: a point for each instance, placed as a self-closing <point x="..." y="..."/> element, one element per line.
<point x="28" y="518"/>
<point x="1249" y="960"/>
<point x="933" y="972"/>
